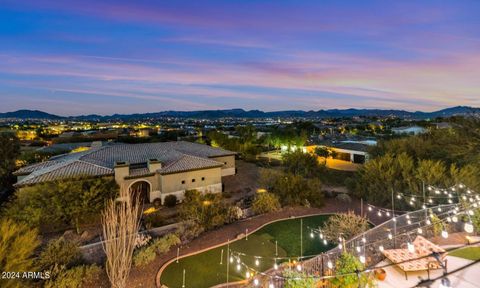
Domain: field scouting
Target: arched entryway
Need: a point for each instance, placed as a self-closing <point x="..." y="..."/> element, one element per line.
<point x="140" y="189"/>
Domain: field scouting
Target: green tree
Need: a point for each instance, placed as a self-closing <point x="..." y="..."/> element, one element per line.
<point x="208" y="210"/>
<point x="303" y="164"/>
<point x="292" y="189"/>
<point x="347" y="264"/>
<point x="67" y="202"/>
<point x="17" y="246"/>
<point x="9" y="151"/>
<point x="265" y="203"/>
<point x="348" y="225"/>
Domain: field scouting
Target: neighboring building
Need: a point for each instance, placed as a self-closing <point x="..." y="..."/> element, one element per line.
<point x="350" y="151"/>
<point x="154" y="170"/>
<point x="413" y="130"/>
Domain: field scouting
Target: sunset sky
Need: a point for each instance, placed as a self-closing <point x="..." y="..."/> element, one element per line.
<point x="105" y="57"/>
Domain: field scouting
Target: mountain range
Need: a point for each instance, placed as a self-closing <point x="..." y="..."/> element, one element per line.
<point x="241" y="113"/>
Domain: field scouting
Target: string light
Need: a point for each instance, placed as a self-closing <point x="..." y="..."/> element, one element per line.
<point x="380" y="248"/>
<point x="362" y="259"/>
<point x="468" y="227"/>
<point x="445" y="234"/>
<point x="257" y="262"/>
<point x="256" y="282"/>
<point x="419" y="231"/>
<point x="329" y="264"/>
<point x="410" y="247"/>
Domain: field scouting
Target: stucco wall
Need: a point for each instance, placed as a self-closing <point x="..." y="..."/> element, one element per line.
<point x="173" y="182"/>
<point x="229" y="167"/>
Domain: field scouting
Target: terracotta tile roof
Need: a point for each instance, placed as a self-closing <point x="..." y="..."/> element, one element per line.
<point x="174" y="156"/>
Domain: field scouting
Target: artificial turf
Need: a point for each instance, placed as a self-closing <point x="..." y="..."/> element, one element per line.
<point x="205" y="270"/>
<point x="470" y="253"/>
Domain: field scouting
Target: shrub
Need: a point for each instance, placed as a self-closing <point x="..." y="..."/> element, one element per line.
<point x="153" y="220"/>
<point x="144" y="255"/>
<point x="234" y="213"/>
<point x="61" y="277"/>
<point x="147" y="254"/>
<point x="346" y="224"/>
<point x="170" y="201"/>
<point x="265" y="203"/>
<point x="189" y="230"/>
<point x="17" y="245"/>
<point x="60" y="252"/>
<point x="297" y="279"/>
<point x="163" y="245"/>
<point x="142" y="240"/>
<point x="347" y="263"/>
<point x="157" y="202"/>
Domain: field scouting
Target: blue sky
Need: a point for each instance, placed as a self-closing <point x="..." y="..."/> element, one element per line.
<point x="105" y="57"/>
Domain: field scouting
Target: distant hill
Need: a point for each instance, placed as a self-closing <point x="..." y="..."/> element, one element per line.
<point x="29" y="114"/>
<point x="240" y="113"/>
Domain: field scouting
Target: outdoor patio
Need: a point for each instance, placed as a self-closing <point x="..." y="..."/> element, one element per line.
<point x="465" y="278"/>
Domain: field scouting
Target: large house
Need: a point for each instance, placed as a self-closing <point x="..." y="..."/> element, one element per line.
<point x="154" y="170"/>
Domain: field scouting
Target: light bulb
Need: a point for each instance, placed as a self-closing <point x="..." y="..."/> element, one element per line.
<point x="409" y="222"/>
<point x="362" y="259"/>
<point x="275" y="266"/>
<point x="311" y="235"/>
<point x="439" y="209"/>
<point x="449" y="219"/>
<point x="429" y="222"/>
<point x="256" y="282"/>
<point x="399" y="196"/>
<point x="379" y="214"/>
<point x="364" y="240"/>
<point x="430" y="201"/>
<point x="321" y="236"/>
<point x="325" y="242"/>
<point x="394" y="219"/>
<point x="444" y="234"/>
<point x="450" y="201"/>
<point x="423" y="206"/>
<point x="455" y="219"/>
<point x="408" y="216"/>
<point x="410" y="247"/>
<point x="239" y="267"/>
<point x="329" y="264"/>
<point x="358" y="248"/>
<point x="247" y="274"/>
<point x="388" y="214"/>
<point x="369" y="208"/>
<point x="411" y="203"/>
<point x="271" y="285"/>
<point x="419" y="231"/>
<point x="340" y="246"/>
<point x="390" y="236"/>
<point x="299" y="267"/>
<point x="257" y="262"/>
<point x="468" y="227"/>
<point x="231" y="259"/>
<point x="381" y="248"/>
<point x="470" y="212"/>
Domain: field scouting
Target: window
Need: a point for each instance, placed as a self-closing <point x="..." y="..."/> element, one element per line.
<point x="193" y="180"/>
<point x="183" y="181"/>
<point x="203" y="178"/>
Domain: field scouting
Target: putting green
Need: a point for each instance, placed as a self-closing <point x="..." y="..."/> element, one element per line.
<point x="207" y="269"/>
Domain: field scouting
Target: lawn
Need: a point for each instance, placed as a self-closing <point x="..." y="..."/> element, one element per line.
<point x="470" y="253"/>
<point x="208" y="268"/>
